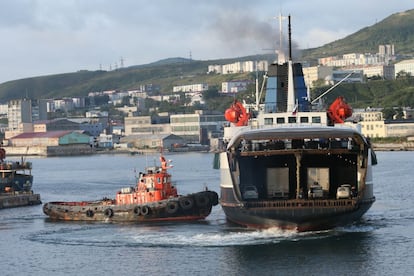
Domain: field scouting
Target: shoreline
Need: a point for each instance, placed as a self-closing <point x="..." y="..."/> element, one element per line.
<point x="406" y="146"/>
<point x="71" y="151"/>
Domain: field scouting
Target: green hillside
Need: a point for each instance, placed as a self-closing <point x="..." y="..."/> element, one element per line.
<point x="397" y="29"/>
<point x="378" y="93"/>
<point x="166" y="74"/>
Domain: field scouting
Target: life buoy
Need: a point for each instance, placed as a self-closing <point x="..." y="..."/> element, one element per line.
<point x="202" y="200"/>
<point x="137" y="210"/>
<point x="172" y="207"/>
<point x="145" y="210"/>
<point x="108" y="212"/>
<point x="186" y="203"/>
<point x="237" y="114"/>
<point x="89" y="213"/>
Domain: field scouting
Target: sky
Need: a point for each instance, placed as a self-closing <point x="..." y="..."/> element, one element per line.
<point x="44" y="37"/>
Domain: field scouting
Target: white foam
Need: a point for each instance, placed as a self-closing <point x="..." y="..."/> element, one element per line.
<point x="216" y="239"/>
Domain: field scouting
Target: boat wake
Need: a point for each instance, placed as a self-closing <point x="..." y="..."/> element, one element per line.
<point x="178" y="235"/>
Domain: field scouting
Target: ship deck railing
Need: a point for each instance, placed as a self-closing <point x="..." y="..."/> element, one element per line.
<point x="301" y="151"/>
<point x="302" y="203"/>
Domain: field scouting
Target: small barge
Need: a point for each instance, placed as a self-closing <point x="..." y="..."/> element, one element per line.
<point x="16" y="181"/>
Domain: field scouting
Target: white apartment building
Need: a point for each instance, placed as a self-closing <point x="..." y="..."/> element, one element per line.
<point x="314" y="73"/>
<point x="382" y="129"/>
<point x="4" y="109"/>
<point x="195" y="128"/>
<point x="369" y="115"/>
<point x="386" y="50"/>
<point x="19" y="114"/>
<point x="385" y="71"/>
<point x="142" y="125"/>
<point x="373" y="124"/>
<point x="198" y="87"/>
<point x="234" y="86"/>
<point x="64" y="104"/>
<point x="406" y="66"/>
<point x="357" y="76"/>
<point x="217" y="69"/>
<point x="353" y="59"/>
<point x="239" y="67"/>
<point x="233" y="68"/>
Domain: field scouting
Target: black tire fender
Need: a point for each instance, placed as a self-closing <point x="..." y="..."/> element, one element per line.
<point x="89" y="213"/>
<point x="186" y="203"/>
<point x="172" y="207"/>
<point x="109" y="213"/>
<point x="145" y="210"/>
<point x="202" y="200"/>
<point x="137" y="210"/>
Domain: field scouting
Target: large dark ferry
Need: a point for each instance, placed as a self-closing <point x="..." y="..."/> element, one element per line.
<point x="16" y="181"/>
<point x="290" y="165"/>
<point x="154" y="198"/>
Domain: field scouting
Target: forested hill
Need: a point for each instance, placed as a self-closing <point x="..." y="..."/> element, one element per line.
<point x="397" y="29"/>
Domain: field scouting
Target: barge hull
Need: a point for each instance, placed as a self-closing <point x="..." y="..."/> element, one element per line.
<point x="18" y="200"/>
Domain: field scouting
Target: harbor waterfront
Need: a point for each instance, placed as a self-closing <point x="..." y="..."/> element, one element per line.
<point x="44" y="151"/>
<point x="379" y="244"/>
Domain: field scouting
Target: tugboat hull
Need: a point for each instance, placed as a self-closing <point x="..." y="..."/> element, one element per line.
<point x="182" y="208"/>
<point x="154" y="198"/>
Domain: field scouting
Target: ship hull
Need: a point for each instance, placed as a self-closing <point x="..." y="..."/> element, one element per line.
<point x="194" y="206"/>
<point x="303" y="187"/>
<point x="299" y="215"/>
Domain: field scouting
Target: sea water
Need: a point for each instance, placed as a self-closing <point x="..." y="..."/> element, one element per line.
<point x="381" y="243"/>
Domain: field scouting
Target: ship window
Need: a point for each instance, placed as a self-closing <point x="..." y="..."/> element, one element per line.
<point x="159" y="180"/>
<point x="316" y="120"/>
<point x="292" y="119"/>
<point x="304" y="119"/>
<point x="280" y="120"/>
<point x="268" y="121"/>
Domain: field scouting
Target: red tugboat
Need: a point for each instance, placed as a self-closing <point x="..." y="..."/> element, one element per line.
<point x="154" y="198"/>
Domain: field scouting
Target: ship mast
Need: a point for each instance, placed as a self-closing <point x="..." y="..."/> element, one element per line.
<point x="291" y="86"/>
